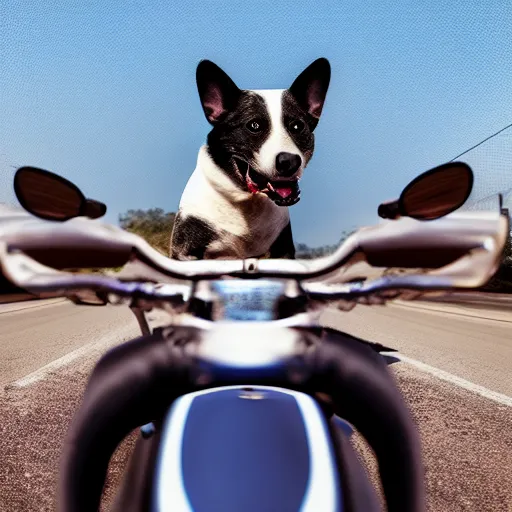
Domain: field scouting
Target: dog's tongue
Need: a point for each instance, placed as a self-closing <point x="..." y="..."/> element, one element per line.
<point x="280" y="189"/>
<point x="284" y="192"/>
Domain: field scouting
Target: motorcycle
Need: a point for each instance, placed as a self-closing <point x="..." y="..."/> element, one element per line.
<point x="243" y="399"/>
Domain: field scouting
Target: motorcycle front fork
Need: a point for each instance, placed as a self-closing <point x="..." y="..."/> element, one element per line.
<point x="141" y="320"/>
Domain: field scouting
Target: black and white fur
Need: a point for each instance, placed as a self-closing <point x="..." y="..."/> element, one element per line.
<point x="235" y="203"/>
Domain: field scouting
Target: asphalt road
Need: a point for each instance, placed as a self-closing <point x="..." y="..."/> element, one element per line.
<point x="33" y="337"/>
<point x="456" y="381"/>
<point x="448" y="337"/>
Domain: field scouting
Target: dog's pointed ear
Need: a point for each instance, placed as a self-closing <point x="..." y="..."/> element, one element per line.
<point x="217" y="92"/>
<point x="310" y="88"/>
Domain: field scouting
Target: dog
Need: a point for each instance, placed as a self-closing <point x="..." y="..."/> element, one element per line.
<point x="235" y="203"/>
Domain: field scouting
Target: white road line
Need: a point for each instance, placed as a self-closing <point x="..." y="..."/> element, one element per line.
<point x="457" y="381"/>
<point x="124" y="333"/>
<point x="475" y="314"/>
<point x="14" y="307"/>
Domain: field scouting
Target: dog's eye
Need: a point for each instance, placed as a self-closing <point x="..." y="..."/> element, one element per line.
<point x="296" y="126"/>
<point x="255" y="125"/>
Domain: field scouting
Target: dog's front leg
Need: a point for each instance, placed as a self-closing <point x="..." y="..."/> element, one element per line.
<point x="283" y="247"/>
<point x="191" y="237"/>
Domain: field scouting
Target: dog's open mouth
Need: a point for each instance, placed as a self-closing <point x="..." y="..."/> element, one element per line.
<point x="284" y="192"/>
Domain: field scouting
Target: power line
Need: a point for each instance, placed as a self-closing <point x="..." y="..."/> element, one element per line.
<point x="481" y="142"/>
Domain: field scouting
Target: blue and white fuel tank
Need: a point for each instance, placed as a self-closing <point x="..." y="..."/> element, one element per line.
<point x="250" y="449"/>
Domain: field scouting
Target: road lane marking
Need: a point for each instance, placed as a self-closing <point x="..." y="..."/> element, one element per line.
<point x="14" y="307"/>
<point x="457" y="381"/>
<point x="472" y="313"/>
<point x="126" y="332"/>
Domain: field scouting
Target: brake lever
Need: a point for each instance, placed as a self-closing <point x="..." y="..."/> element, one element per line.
<point x="141" y="320"/>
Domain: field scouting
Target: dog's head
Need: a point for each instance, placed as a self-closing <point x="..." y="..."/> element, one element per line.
<point x="263" y="139"/>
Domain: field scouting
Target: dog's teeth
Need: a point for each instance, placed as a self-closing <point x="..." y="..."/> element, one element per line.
<point x="270" y="187"/>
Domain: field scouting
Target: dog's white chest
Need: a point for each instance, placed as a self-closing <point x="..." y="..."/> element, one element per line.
<point x="246" y="225"/>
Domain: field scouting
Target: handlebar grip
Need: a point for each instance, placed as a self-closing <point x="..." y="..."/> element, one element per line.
<point x="74" y="244"/>
<point x="431" y="256"/>
<point x="130" y="386"/>
<point x="76" y="257"/>
<point x="408" y="243"/>
<point x="364" y="393"/>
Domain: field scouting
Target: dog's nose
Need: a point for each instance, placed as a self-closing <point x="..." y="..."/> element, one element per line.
<point x="287" y="164"/>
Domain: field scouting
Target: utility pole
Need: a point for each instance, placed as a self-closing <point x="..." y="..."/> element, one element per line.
<point x="504" y="211"/>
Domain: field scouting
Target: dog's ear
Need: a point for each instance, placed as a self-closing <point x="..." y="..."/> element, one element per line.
<point x="310" y="88"/>
<point x="218" y="93"/>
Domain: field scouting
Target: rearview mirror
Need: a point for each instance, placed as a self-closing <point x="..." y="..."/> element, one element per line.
<point x="433" y="194"/>
<point x="52" y="197"/>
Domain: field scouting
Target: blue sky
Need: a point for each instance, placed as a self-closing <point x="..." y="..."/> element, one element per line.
<point x="104" y="93"/>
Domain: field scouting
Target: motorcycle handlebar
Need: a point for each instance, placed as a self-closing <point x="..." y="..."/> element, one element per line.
<point x="82" y="243"/>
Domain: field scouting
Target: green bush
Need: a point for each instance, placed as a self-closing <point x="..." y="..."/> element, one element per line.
<point x="154" y="225"/>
